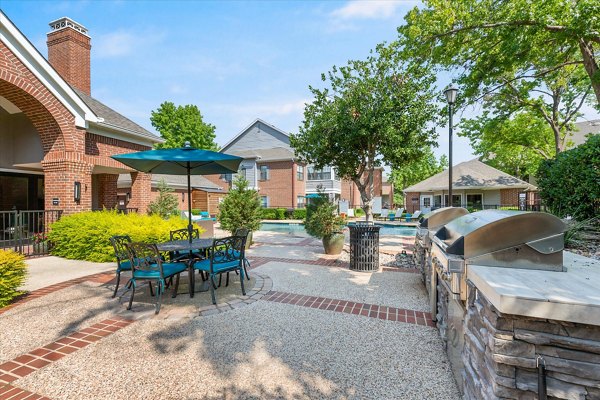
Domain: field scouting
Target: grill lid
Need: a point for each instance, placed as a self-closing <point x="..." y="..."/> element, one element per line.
<point x="437" y="218"/>
<point x="488" y="231"/>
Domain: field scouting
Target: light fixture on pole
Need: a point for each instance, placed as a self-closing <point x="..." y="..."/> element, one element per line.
<point x="450" y="93"/>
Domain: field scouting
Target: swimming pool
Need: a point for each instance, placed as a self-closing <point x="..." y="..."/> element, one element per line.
<point x="298" y="229"/>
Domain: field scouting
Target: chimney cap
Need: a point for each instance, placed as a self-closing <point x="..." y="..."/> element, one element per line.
<point x="66" y="22"/>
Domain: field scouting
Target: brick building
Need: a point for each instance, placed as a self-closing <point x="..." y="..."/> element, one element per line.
<point x="271" y="167"/>
<point x="474" y="185"/>
<point x="55" y="138"/>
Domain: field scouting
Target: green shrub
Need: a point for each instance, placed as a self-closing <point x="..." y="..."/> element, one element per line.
<point x="299" y="213"/>
<point x="322" y="219"/>
<point x="359" y="212"/>
<point x="12" y="275"/>
<point x="166" y="204"/>
<point x="240" y="208"/>
<point x="268" y="213"/>
<point x="569" y="184"/>
<point x="85" y="236"/>
<point x="280" y="212"/>
<point x="196" y="211"/>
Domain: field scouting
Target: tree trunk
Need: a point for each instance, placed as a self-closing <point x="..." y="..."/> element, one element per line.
<point x="591" y="66"/>
<point x="366" y="189"/>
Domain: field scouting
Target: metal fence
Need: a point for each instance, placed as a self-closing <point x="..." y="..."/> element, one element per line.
<point x="127" y="210"/>
<point x="521" y="207"/>
<point x="25" y="231"/>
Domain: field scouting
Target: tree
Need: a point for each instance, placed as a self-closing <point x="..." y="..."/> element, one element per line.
<point x="513" y="55"/>
<point x="570" y="184"/>
<point x="180" y="124"/>
<point x="166" y="204"/>
<point x="410" y="173"/>
<point x="516" y="146"/>
<point x="374" y="112"/>
<point x="240" y="208"/>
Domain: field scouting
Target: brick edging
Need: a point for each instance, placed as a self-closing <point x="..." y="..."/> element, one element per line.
<point x="30" y="362"/>
<point x="349" y="307"/>
<point x="8" y="392"/>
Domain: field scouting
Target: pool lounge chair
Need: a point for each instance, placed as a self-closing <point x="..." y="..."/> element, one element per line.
<point x="415" y="216"/>
<point x="384" y="214"/>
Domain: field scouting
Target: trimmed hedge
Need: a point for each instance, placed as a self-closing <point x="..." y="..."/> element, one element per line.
<point x="85" y="236"/>
<point x="12" y="275"/>
<point x="268" y="213"/>
<point x="299" y="213"/>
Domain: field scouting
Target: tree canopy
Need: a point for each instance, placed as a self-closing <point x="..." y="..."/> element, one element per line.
<point x="410" y="173"/>
<point x="180" y="124"/>
<point x="513" y="57"/>
<point x="372" y="112"/>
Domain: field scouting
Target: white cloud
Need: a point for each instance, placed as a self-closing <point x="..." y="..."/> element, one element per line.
<point x="123" y="43"/>
<point x="367" y="9"/>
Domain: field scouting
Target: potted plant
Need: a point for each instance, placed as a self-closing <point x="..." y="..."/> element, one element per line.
<point x="40" y="243"/>
<point x="323" y="222"/>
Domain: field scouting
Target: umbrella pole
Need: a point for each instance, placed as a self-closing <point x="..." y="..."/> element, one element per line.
<point x="190" y="228"/>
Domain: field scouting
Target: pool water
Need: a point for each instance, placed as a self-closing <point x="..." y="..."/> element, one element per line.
<point x="298" y="229"/>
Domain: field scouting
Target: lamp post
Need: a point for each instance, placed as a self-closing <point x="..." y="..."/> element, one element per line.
<point x="450" y="93"/>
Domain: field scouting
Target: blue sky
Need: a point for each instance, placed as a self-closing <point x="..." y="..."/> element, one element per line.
<point x="235" y="60"/>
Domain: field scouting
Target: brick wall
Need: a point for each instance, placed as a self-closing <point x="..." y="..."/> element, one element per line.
<point x="510" y="197"/>
<point x="411" y="205"/>
<point x="69" y="54"/>
<point x="299" y="187"/>
<point x="107" y="190"/>
<point x="351" y="193"/>
<point x="279" y="185"/>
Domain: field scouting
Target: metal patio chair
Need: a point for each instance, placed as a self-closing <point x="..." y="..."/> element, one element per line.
<point x="148" y="265"/>
<point x="119" y="243"/>
<point x="227" y="254"/>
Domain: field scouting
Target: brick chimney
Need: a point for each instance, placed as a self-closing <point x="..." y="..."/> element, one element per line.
<point x="69" y="52"/>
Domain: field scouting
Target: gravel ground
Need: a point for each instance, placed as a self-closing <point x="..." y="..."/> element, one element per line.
<point x="263" y="351"/>
<point x="404" y="290"/>
<point x="43" y="320"/>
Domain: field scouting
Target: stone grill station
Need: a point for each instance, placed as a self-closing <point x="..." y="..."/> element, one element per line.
<point x="514" y="309"/>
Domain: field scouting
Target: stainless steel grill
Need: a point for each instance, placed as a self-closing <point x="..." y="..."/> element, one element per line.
<point x="496" y="238"/>
<point x="427" y="228"/>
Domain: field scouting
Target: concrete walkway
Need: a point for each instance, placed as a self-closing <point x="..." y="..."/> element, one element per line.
<point x="308" y="328"/>
<point x="46" y="271"/>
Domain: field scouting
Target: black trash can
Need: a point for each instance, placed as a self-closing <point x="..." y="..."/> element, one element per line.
<point x="364" y="247"/>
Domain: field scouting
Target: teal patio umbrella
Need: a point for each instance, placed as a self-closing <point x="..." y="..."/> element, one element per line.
<point x="184" y="161"/>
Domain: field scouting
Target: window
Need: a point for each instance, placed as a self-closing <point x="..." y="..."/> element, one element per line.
<point x="227" y="177"/>
<point x="437" y="201"/>
<point x="301" y="201"/>
<point x="242" y="172"/>
<point x="456" y="200"/>
<point x="319" y="174"/>
<point x="264" y="201"/>
<point x="475" y="201"/>
<point x="300" y="172"/>
<point x="264" y="172"/>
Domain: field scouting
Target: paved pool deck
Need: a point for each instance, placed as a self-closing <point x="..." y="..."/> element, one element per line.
<point x="308" y="328"/>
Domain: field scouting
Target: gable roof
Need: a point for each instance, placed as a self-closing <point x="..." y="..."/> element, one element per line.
<point x="273" y="154"/>
<point x="86" y="110"/>
<point x="583" y="129"/>
<point x="471" y="175"/>
<point x="246" y="129"/>
<point x="113" y="119"/>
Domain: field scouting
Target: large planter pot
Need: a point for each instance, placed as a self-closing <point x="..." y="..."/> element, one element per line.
<point x="333" y="244"/>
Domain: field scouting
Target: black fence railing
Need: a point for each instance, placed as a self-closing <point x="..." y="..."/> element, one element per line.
<point x="25" y="231"/>
<point x="521" y="207"/>
<point x="127" y="210"/>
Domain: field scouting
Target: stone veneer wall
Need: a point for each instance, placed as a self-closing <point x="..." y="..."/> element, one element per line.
<point x="500" y="355"/>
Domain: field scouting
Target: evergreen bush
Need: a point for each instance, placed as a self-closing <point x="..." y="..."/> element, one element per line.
<point x="322" y="219"/>
<point x="268" y="213"/>
<point x="570" y="184"/>
<point x="240" y="208"/>
<point x="12" y="275"/>
<point x="166" y="204"/>
<point x="85" y="235"/>
<point x="280" y="213"/>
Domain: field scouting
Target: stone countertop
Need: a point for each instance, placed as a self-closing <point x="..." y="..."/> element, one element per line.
<point x="572" y="296"/>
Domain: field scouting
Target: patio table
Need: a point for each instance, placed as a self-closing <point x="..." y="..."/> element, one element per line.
<point x="187" y="246"/>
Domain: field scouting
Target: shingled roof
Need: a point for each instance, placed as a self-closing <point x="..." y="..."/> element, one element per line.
<point x="272" y="154"/>
<point x="471" y="175"/>
<point x="113" y="118"/>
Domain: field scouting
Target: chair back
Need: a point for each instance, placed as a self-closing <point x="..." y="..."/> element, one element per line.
<point x="416" y="215"/>
<point x="183" y="234"/>
<point x="241" y="232"/>
<point x="385" y="212"/>
<point x="399" y="212"/>
<point x="119" y="243"/>
<point x="145" y="257"/>
<point x="227" y="251"/>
